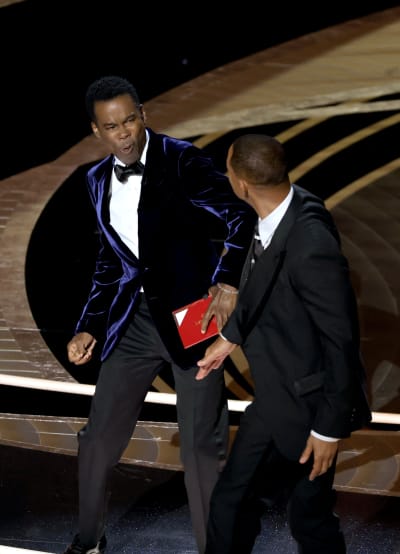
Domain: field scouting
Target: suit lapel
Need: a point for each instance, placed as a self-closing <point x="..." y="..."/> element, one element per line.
<point x="261" y="279"/>
<point x="102" y="183"/>
<point x="267" y="260"/>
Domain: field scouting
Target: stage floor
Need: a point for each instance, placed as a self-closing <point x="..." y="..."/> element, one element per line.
<point x="149" y="513"/>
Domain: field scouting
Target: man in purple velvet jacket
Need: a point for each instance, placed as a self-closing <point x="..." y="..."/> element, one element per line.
<point x="155" y="255"/>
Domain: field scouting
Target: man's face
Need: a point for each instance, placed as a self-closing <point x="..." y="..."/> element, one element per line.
<point x="120" y="124"/>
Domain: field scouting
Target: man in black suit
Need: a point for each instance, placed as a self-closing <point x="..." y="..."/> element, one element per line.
<point x="296" y="320"/>
<point x="155" y="256"/>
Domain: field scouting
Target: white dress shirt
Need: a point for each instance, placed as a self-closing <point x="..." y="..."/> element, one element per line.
<point x="124" y="201"/>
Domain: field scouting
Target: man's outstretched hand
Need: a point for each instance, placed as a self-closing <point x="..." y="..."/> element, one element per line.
<point x="214" y="356"/>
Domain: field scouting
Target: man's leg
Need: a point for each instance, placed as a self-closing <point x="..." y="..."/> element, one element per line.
<point x="312" y="520"/>
<point x="123" y="382"/>
<point x="234" y="519"/>
<point x="204" y="438"/>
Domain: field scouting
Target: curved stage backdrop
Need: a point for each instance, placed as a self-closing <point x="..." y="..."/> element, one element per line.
<point x="337" y="109"/>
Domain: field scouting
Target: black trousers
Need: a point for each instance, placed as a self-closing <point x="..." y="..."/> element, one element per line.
<point x="256" y="468"/>
<point x="124" y="379"/>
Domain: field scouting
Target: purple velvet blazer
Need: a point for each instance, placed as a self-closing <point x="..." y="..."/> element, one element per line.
<point x="178" y="256"/>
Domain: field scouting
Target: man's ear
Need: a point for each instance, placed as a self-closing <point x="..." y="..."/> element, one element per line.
<point x="142" y="113"/>
<point x="244" y="188"/>
<point x="95" y="129"/>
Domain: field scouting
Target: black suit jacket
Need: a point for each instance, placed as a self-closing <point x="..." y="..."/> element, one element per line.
<point x="297" y="322"/>
<point x="178" y="258"/>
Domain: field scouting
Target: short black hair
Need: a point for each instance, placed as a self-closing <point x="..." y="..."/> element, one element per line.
<point x="106" y="88"/>
<point x="260" y="159"/>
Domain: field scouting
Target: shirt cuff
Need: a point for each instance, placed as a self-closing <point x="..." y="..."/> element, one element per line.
<point x="323" y="437"/>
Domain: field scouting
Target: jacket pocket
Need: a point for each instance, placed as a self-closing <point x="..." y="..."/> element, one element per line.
<point x="308" y="384"/>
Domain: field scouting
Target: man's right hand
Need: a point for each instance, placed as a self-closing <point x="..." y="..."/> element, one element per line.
<point x="80" y="348"/>
<point x="214" y="356"/>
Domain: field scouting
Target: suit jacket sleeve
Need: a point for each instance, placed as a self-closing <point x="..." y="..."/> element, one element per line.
<point x="210" y="189"/>
<point x="108" y="270"/>
<point x="320" y="275"/>
<point x="104" y="287"/>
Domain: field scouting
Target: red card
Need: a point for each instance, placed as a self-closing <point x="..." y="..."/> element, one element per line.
<point x="188" y="320"/>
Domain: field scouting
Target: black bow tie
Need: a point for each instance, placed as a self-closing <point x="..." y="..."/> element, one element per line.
<point x="122" y="172"/>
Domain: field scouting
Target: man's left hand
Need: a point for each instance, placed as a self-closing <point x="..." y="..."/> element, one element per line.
<point x="223" y="301"/>
<point x="324" y="453"/>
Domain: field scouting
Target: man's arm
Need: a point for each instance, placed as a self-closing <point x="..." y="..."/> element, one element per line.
<point x="214" y="356"/>
<point x="104" y="286"/>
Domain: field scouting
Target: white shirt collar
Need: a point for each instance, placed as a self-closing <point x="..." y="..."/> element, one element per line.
<point x="268" y="224"/>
